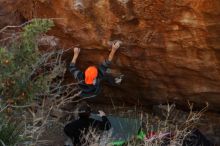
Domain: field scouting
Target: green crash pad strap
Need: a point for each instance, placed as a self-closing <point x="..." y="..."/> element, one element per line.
<point x="140" y="136"/>
<point x="118" y="143"/>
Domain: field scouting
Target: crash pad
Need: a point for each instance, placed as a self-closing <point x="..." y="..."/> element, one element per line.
<point x="122" y="129"/>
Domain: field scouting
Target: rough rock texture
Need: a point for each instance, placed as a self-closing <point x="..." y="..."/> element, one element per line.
<point x="171" y="48"/>
<point x="9" y="15"/>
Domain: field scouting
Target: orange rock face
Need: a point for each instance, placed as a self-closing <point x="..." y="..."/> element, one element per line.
<point x="170" y="52"/>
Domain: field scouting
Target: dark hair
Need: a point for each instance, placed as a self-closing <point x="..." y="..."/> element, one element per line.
<point x="84" y="111"/>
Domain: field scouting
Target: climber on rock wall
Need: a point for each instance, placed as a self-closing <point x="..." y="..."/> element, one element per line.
<point x="90" y="80"/>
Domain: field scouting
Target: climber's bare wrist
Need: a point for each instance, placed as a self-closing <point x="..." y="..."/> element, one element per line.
<point x="75" y="58"/>
<point x="73" y="61"/>
<point x="113" y="50"/>
<point x="76" y="54"/>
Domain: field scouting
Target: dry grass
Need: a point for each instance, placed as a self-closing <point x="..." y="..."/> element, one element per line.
<point x="179" y="129"/>
<point x="36" y="115"/>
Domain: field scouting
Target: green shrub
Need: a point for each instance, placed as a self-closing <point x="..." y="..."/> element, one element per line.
<point x="19" y="80"/>
<point x="18" y="83"/>
<point x="10" y="132"/>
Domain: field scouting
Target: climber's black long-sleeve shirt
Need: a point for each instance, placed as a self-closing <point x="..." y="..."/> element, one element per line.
<point x="90" y="90"/>
<point x="76" y="129"/>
